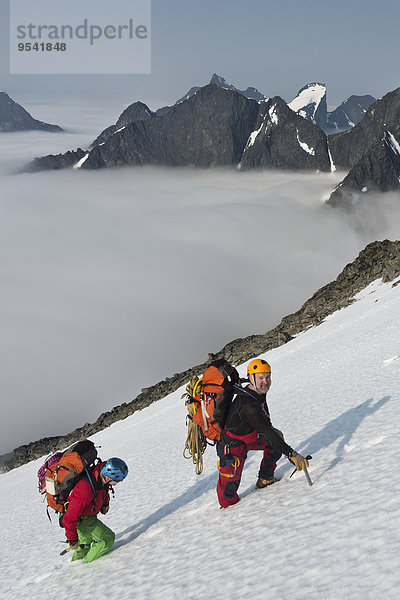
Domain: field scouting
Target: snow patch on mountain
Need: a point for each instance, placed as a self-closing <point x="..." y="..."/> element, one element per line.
<point x="308" y="100"/>
<point x="273" y="115"/>
<point x="81" y="161"/>
<point x="393" y="143"/>
<point x="305" y="146"/>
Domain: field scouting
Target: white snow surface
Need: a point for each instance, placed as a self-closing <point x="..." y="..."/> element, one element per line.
<point x="394" y="144"/>
<point x="81" y="161"/>
<point x="313" y="94"/>
<point x="273" y="116"/>
<point x="335" y="394"/>
<point x="305" y="146"/>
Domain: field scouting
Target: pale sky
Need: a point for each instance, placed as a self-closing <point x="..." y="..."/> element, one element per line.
<point x="351" y="46"/>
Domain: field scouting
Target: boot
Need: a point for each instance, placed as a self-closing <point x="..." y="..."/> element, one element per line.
<point x="262" y="483"/>
<point x="81" y="552"/>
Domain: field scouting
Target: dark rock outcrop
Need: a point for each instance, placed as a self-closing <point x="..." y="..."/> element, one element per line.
<point x="377" y="260"/>
<point x="138" y="111"/>
<point x="209" y="129"/>
<point x="349" y="113"/>
<point x="13" y="117"/>
<point x="284" y="140"/>
<point x="251" y="92"/>
<point x="371" y="151"/>
<point x="56" y="161"/>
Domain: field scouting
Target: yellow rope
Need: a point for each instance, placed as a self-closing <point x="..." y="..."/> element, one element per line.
<point x="196" y="442"/>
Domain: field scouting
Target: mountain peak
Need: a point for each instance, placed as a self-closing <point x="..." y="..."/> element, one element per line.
<point x="251" y="93"/>
<point x="13" y="117"/>
<point x="310" y="103"/>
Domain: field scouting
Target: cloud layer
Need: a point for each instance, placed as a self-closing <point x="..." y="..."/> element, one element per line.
<point x="113" y="280"/>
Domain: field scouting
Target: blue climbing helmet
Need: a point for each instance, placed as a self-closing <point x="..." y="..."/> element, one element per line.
<point x="115" y="468"/>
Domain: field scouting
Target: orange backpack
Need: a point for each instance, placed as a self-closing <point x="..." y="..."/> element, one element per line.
<point x="212" y="396"/>
<point x="57" y="479"/>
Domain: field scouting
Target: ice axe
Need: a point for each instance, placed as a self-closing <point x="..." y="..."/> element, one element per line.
<point x="306" y="473"/>
<point x="68" y="548"/>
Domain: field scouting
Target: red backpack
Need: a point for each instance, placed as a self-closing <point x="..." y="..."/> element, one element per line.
<point x="212" y="396"/>
<point x="62" y="471"/>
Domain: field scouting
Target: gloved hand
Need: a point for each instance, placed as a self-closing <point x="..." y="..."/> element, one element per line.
<point x="298" y="460"/>
<point x="104" y="510"/>
<point x="278" y="432"/>
<point x="73" y="545"/>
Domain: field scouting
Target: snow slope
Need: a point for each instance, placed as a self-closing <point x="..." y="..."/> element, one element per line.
<point x="308" y="99"/>
<point x="335" y="394"/>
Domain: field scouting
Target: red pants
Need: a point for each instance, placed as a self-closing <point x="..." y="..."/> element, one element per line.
<point x="230" y="472"/>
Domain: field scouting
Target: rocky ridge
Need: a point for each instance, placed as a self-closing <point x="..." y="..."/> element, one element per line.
<point x="213" y="128"/>
<point x="377" y="260"/>
<point x="371" y="150"/>
<point x="13" y="117"/>
<point x="349" y="113"/>
<point x="284" y="140"/>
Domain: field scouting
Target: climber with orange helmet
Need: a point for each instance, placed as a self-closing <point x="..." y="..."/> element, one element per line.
<point x="248" y="427"/>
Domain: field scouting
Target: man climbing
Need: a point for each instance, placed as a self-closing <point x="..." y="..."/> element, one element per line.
<point x="86" y="535"/>
<point x="248" y="427"/>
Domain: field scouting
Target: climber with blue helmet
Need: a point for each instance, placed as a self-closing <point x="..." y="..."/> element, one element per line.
<point x="86" y="534"/>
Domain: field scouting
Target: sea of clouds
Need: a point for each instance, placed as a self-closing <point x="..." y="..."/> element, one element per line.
<point x="114" y="279"/>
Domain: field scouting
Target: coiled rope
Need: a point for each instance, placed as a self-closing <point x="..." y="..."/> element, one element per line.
<point x="196" y="442"/>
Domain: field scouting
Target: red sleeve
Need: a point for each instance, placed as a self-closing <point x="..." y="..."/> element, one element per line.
<point x="106" y="498"/>
<point x="78" y="500"/>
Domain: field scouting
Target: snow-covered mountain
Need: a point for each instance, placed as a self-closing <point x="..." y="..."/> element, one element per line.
<point x="335" y="395"/>
<point x="310" y="103"/>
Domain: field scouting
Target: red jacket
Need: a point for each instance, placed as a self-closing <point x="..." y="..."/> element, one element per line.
<point x="80" y="502"/>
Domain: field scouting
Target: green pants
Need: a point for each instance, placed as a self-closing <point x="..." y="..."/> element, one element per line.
<point x="95" y="538"/>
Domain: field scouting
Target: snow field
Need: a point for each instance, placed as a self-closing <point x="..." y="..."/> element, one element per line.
<point x="335" y="395"/>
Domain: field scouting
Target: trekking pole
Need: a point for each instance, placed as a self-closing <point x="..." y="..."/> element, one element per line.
<point x="306" y="473"/>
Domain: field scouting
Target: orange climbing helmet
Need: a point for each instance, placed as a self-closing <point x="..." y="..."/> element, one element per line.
<point x="258" y="365"/>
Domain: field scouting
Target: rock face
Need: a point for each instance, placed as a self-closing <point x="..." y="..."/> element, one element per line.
<point x="251" y="92"/>
<point x="349" y="113"/>
<point x="371" y="150"/>
<point x="284" y="140"/>
<point x="377" y="260"/>
<point x="13" y="117"/>
<point x="209" y="129"/>
<point x="56" y="161"/>
<point x="135" y="112"/>
<point x="215" y="127"/>
<point x="310" y="103"/>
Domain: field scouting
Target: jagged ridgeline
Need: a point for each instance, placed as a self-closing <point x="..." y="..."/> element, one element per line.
<point x="213" y="128"/>
<point x="371" y="150"/>
<point x="220" y="126"/>
<point x="377" y="260"/>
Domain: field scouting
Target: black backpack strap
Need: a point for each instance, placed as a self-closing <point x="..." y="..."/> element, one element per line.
<point x="243" y="391"/>
<point x="89" y="479"/>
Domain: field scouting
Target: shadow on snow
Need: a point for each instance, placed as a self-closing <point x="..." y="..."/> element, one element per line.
<point x="340" y="429"/>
